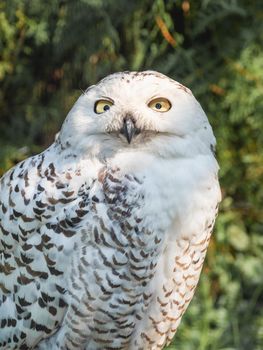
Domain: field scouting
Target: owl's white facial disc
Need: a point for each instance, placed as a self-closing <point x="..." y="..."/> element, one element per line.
<point x="137" y="110"/>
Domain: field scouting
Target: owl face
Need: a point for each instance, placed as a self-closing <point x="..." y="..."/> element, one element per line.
<point x="134" y="110"/>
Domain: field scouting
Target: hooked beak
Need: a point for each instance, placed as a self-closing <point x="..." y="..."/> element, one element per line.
<point x="129" y="129"/>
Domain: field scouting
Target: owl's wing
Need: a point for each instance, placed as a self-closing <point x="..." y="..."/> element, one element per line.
<point x="37" y="213"/>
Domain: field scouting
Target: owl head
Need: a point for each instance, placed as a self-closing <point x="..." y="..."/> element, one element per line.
<point x="135" y="111"/>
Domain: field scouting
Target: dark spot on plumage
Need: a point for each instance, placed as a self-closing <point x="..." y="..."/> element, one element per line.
<point x="39" y="167"/>
<point x="115" y="262"/>
<point x="49" y="261"/>
<point x="40" y="188"/>
<point x="68" y="233"/>
<point x="132" y="256"/>
<point x="41" y="246"/>
<point x="5" y="232"/>
<point x="4" y="289"/>
<point x="22" y="279"/>
<point x="6" y="269"/>
<point x="52" y="169"/>
<point x="16" y="188"/>
<point x="21" y="174"/>
<point x="21" y="165"/>
<point x="104" y="242"/>
<point x="11" y="177"/>
<point x="66" y="200"/>
<point x="110" y="200"/>
<point x="53" y="200"/>
<point x="67" y="193"/>
<point x="26" y="259"/>
<point x="5" y="245"/>
<point x="75" y="220"/>
<point x="54" y="271"/>
<point x="63" y="224"/>
<point x="51" y="208"/>
<point x="60" y="289"/>
<point x="60" y="185"/>
<point x="19" y="263"/>
<point x="105" y="260"/>
<point x="47" y="298"/>
<point x="11" y="203"/>
<point x="33" y="162"/>
<point x="16" y="213"/>
<point x="95" y="199"/>
<point x="41" y="204"/>
<point x="40" y="327"/>
<point x="80" y="213"/>
<point x="52" y="310"/>
<point x="26" y="201"/>
<point x="24" y="347"/>
<point x="6" y="255"/>
<point x="3" y="323"/>
<point x="4" y="209"/>
<point x="62" y="303"/>
<point x="26" y="218"/>
<point x="26" y="246"/>
<point x="50" y="178"/>
<point x="26" y="179"/>
<point x="70" y="222"/>
<point x="36" y="273"/>
<point x="38" y="211"/>
<point x="15" y="237"/>
<point x="213" y="149"/>
<point x="24" y="232"/>
<point x="84" y="203"/>
<point x="47" y="216"/>
<point x="49" y="226"/>
<point x="15" y="339"/>
<point x="23" y="302"/>
<point x="41" y="303"/>
<point x="22" y="335"/>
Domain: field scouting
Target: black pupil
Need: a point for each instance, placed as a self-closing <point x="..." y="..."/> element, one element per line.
<point x="106" y="107"/>
<point x="158" y="106"/>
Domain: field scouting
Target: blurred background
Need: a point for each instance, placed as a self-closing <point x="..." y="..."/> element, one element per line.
<point x="51" y="50"/>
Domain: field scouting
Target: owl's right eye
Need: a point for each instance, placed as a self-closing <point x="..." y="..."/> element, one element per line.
<point x="102" y="106"/>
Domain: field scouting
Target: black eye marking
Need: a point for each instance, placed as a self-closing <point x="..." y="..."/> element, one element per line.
<point x="106" y="108"/>
<point x="158" y="106"/>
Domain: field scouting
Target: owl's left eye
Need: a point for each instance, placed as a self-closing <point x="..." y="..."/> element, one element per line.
<point x="160" y="104"/>
<point x="102" y="106"/>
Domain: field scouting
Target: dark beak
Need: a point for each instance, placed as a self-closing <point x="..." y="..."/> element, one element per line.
<point x="129" y="129"/>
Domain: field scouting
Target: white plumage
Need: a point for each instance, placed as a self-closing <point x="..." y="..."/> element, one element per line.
<point x="104" y="234"/>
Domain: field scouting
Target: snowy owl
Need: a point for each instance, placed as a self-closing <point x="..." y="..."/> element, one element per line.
<point x="104" y="234"/>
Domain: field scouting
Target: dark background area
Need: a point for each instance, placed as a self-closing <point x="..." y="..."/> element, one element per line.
<point x="51" y="50"/>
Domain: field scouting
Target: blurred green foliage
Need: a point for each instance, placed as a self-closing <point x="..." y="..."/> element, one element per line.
<point x="50" y="50"/>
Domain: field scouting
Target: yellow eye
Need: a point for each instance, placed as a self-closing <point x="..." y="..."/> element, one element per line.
<point x="160" y="104"/>
<point x="102" y="106"/>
